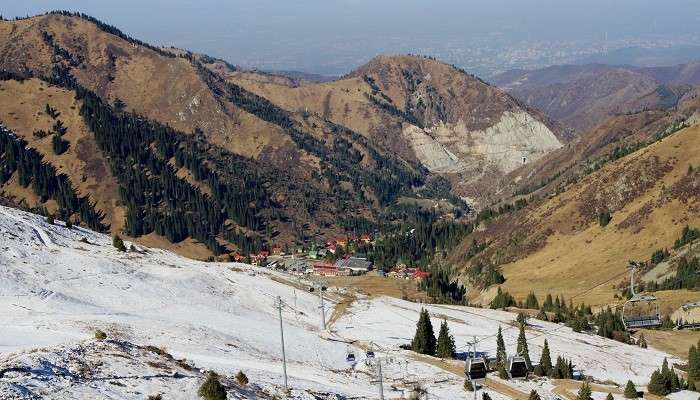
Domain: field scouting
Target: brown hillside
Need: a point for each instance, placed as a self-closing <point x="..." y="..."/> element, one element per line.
<point x="310" y="174"/>
<point x="167" y="89"/>
<point x="621" y="131"/>
<point x="583" y="95"/>
<point x="427" y="111"/>
<point x="22" y="109"/>
<point x="557" y="246"/>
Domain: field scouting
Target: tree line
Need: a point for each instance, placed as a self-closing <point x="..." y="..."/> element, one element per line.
<point x="157" y="200"/>
<point x="17" y="157"/>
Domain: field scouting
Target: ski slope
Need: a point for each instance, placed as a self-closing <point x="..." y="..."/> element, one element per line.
<point x="56" y="290"/>
<point x="379" y="320"/>
<point x="59" y="285"/>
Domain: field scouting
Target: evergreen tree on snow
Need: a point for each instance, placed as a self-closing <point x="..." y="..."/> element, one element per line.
<point x="657" y="385"/>
<point x="545" y="360"/>
<point x="585" y="392"/>
<point x="693" y="368"/>
<point x="212" y="389"/>
<point x="424" y="339"/>
<point x="501" y="356"/>
<point x="522" y="347"/>
<point x="445" y="342"/>
<point x="118" y="243"/>
<point x="630" y="391"/>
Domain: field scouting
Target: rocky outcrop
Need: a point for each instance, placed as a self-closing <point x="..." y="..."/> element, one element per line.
<point x="515" y="139"/>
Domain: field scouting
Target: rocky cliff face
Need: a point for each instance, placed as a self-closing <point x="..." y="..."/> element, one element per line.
<point x="515" y="139"/>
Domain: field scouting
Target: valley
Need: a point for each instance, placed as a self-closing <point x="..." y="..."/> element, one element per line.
<point x="176" y="226"/>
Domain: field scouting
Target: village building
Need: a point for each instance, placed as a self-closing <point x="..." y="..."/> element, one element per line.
<point x="327" y="269"/>
<point x="420" y="275"/>
<point x="357" y="266"/>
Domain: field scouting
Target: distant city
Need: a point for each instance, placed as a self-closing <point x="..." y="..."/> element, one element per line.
<point x="484" y="56"/>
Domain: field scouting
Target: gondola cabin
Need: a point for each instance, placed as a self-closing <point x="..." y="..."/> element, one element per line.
<point x="517" y="367"/>
<point x="349" y="356"/>
<point x="476" y="368"/>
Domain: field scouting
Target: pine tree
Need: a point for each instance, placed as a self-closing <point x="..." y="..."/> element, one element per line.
<point x="642" y="341"/>
<point x="545" y="360"/>
<point x="50" y="219"/>
<point x="562" y="369"/>
<point x="501" y="356"/>
<point x="531" y="301"/>
<point x="533" y="395"/>
<point x="675" y="382"/>
<point x="445" y="342"/>
<point x="485" y="396"/>
<point x="424" y="339"/>
<point x="548" y="305"/>
<point x="542" y="316"/>
<point x="693" y="367"/>
<point x="118" y="243"/>
<point x="585" y="392"/>
<point x="521" y="318"/>
<point x="630" y="391"/>
<point x="212" y="389"/>
<point x="522" y="349"/>
<point x="609" y="397"/>
<point x="667" y="376"/>
<point x="502" y="372"/>
<point x="468" y="385"/>
<point x="657" y="385"/>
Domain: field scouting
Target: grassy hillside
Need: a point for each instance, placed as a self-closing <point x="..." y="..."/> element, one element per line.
<point x="557" y="245"/>
<point x="283" y="176"/>
<point x="22" y="110"/>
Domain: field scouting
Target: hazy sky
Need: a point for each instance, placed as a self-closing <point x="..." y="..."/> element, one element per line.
<point x="332" y="36"/>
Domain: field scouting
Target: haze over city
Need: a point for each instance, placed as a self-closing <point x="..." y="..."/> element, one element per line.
<point x="331" y="37"/>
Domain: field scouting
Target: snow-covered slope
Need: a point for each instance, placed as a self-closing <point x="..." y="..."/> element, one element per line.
<point x="59" y="285"/>
<point x="390" y="322"/>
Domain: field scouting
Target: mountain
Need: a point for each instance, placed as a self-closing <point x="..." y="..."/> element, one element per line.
<point x="646" y="57"/>
<point x="612" y="138"/>
<point x="168" y="320"/>
<point x="581" y="96"/>
<point x="428" y="112"/>
<point x="557" y="243"/>
<point x="287" y="160"/>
